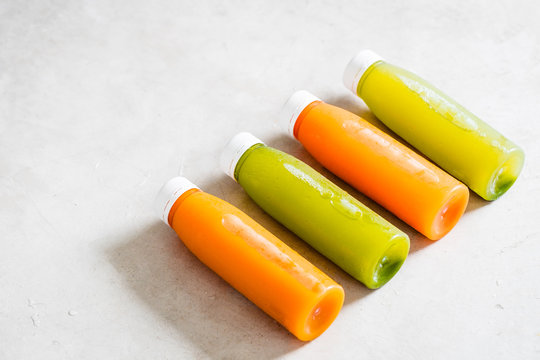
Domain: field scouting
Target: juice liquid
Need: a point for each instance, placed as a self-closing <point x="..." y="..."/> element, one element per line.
<point x="334" y="223"/>
<point x="256" y="263"/>
<point x="376" y="164"/>
<point x="446" y="132"/>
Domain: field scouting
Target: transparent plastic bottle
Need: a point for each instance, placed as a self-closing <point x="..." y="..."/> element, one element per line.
<point x="439" y="127"/>
<point x="329" y="219"/>
<point x="256" y="263"/>
<point x="418" y="192"/>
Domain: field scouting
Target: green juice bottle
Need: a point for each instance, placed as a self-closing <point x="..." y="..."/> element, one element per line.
<point x="444" y="131"/>
<point x="333" y="222"/>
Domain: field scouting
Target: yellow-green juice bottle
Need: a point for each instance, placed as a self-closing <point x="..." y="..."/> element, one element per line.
<point x="337" y="225"/>
<point x="440" y="128"/>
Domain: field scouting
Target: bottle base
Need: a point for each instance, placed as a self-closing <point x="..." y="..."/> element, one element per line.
<point x="505" y="176"/>
<point x="450" y="213"/>
<point x="390" y="262"/>
<point x="322" y="315"/>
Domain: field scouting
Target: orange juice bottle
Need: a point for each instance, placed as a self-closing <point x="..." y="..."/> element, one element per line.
<point x="256" y="263"/>
<point x="405" y="183"/>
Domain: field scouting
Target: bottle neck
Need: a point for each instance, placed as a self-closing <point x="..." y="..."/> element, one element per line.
<point x="243" y="158"/>
<point x="302" y="116"/>
<point x="177" y="203"/>
<point x="366" y="74"/>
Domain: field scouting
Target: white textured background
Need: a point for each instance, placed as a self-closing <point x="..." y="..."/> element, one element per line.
<point x="102" y="101"/>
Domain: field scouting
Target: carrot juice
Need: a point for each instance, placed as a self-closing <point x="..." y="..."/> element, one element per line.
<point x="256" y="263"/>
<point x="373" y="162"/>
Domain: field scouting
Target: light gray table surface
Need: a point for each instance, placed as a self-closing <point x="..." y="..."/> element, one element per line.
<point x="103" y="101"/>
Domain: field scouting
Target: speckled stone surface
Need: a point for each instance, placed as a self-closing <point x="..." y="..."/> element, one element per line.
<point x="101" y="102"/>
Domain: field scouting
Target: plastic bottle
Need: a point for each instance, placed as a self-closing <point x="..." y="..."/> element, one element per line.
<point x="376" y="164"/>
<point x="336" y="224"/>
<point x="436" y="125"/>
<point x="256" y="263"/>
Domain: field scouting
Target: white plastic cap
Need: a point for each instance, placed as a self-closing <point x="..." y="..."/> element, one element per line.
<point x="357" y="67"/>
<point x="293" y="108"/>
<point x="169" y="193"/>
<point x="234" y="150"/>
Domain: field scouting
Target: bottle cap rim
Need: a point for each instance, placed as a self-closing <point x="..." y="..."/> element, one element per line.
<point x="357" y="67"/>
<point x="234" y="150"/>
<point x="169" y="193"/>
<point x="293" y="107"/>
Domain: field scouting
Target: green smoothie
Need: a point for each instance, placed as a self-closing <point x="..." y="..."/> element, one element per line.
<point x="336" y="224"/>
